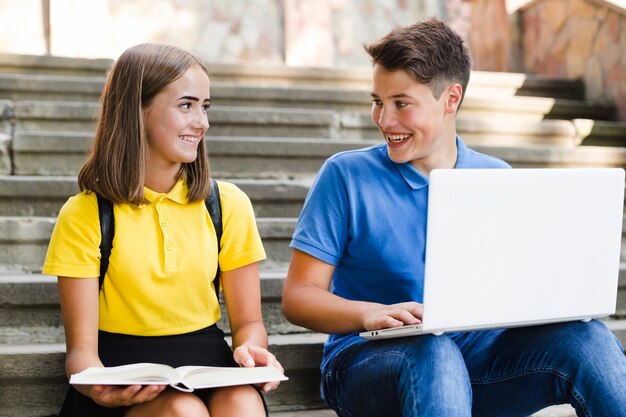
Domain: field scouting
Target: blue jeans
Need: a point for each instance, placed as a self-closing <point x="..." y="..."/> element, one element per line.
<point x="507" y="372"/>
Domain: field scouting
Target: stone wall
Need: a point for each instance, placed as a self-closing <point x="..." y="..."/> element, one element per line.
<point x="579" y="39"/>
<point x="318" y="33"/>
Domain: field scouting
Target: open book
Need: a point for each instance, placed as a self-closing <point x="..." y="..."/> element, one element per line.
<point x="184" y="378"/>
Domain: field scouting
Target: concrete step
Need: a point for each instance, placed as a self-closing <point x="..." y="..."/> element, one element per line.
<point x="292" y="162"/>
<point x="555" y="411"/>
<point x="273" y="75"/>
<point x="22" y="195"/>
<point x="79" y="116"/>
<point x="43" y="195"/>
<point x="488" y="127"/>
<point x="24" y="241"/>
<point x="534" y="108"/>
<point x="491" y="83"/>
<point x="481" y="82"/>
<point x="549" y="156"/>
<point x="300" y="93"/>
<point x="599" y="133"/>
<point x="29" y="304"/>
<point x="477" y="101"/>
<point x="562" y="133"/>
<point x="62" y="153"/>
<point x="276" y="106"/>
<point x="55" y="65"/>
<point x="65" y="87"/>
<point x="31" y="315"/>
<point x="33" y="382"/>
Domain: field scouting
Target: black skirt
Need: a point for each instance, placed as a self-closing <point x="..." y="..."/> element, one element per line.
<point x="205" y="347"/>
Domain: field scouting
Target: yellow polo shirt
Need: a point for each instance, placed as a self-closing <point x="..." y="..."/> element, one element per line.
<point x="159" y="279"/>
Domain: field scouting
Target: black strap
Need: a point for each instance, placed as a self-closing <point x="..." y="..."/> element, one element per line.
<point x="214" y="207"/>
<point x="107" y="229"/>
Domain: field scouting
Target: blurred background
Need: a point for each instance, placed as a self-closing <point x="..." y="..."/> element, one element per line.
<point x="575" y="39"/>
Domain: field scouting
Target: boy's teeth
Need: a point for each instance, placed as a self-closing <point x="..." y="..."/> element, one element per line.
<point x="397" y="138"/>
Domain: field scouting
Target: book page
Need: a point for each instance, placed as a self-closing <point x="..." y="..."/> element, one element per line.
<point x="210" y="377"/>
<point x="137" y="373"/>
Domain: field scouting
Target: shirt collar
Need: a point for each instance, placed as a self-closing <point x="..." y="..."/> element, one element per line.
<point x="462" y="157"/>
<point x="178" y="193"/>
<point x="416" y="180"/>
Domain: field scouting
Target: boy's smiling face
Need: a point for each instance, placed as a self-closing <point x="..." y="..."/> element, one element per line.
<point x="418" y="128"/>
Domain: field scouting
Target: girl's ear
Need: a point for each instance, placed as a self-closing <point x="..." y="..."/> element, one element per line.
<point x="454" y="94"/>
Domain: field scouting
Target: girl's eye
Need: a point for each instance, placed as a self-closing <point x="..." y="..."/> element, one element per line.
<point x="206" y="107"/>
<point x="186" y="106"/>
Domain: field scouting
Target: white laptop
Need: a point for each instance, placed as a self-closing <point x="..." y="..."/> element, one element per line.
<point x="518" y="247"/>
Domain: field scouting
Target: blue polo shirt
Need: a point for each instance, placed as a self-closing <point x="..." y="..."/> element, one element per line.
<point x="366" y="215"/>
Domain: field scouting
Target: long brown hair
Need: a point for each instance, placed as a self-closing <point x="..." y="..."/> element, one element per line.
<point x="429" y="51"/>
<point x="115" y="165"/>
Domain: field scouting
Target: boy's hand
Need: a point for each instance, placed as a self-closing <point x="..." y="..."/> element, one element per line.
<point x="381" y="316"/>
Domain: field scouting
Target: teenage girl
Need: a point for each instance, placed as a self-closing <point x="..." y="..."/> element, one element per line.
<point x="157" y="302"/>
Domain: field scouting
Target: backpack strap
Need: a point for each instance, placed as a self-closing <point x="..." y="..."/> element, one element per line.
<point x="107" y="229"/>
<point x="214" y="207"/>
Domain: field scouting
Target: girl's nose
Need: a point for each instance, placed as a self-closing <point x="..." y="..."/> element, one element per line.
<point x="201" y="120"/>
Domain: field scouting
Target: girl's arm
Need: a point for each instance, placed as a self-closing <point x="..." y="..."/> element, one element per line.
<point x="79" y="299"/>
<point x="79" y="308"/>
<point x="242" y="293"/>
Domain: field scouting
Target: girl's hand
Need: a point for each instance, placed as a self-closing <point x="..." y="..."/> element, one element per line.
<point x="249" y="356"/>
<point x="118" y="396"/>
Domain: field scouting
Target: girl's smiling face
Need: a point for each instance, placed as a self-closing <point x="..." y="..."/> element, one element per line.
<point x="417" y="127"/>
<point x="176" y="120"/>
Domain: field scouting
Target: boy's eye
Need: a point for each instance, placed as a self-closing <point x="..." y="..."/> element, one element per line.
<point x="401" y="104"/>
<point x="376" y="101"/>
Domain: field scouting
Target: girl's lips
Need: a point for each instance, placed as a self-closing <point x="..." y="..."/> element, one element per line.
<point x="190" y="139"/>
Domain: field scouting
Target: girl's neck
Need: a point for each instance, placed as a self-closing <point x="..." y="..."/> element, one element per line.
<point x="161" y="182"/>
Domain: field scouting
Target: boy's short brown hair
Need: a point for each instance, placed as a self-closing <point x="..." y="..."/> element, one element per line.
<point x="429" y="51"/>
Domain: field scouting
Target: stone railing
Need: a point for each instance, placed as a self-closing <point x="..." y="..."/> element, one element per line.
<point x="579" y="39"/>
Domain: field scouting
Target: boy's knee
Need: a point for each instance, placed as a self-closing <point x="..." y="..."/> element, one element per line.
<point x="592" y="337"/>
<point x="587" y="345"/>
<point x="429" y="355"/>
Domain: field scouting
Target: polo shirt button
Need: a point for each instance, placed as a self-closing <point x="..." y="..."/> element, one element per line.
<point x="165" y="223"/>
<point x="168" y="246"/>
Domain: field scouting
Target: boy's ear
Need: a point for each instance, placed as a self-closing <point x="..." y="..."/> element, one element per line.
<point x="454" y="94"/>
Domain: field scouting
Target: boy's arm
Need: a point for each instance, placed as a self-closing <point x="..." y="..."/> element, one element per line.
<point x="308" y="302"/>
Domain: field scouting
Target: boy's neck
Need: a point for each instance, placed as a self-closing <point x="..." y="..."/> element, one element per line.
<point x="444" y="157"/>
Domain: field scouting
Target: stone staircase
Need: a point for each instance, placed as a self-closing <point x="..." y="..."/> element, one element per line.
<point x="271" y="129"/>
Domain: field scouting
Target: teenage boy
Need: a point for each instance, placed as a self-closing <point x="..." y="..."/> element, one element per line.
<point x="358" y="264"/>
